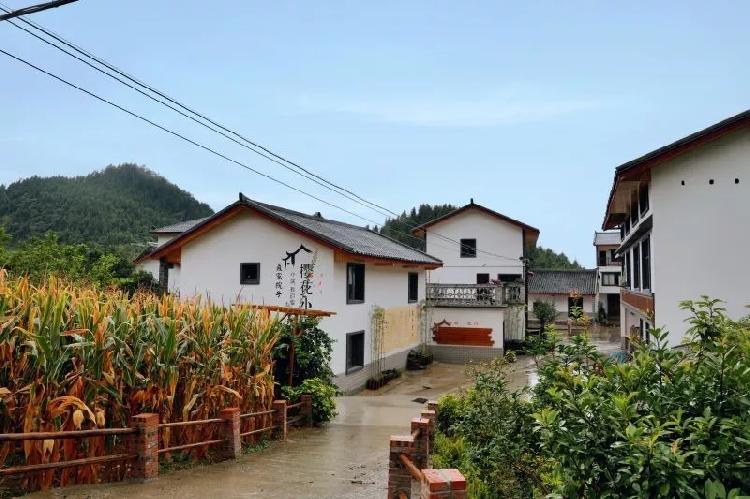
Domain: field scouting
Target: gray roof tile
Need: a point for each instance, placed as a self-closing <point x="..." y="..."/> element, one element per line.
<point x="179" y="227"/>
<point x="562" y="281"/>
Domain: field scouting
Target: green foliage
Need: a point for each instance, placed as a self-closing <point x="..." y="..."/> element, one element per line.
<point x="323" y="398"/>
<point x="544" y="258"/>
<point x="312" y="352"/>
<point x="113" y="207"/>
<point x="545" y="312"/>
<point x="400" y="228"/>
<point x="669" y="423"/>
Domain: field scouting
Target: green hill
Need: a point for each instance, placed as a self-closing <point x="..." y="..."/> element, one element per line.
<point x="114" y="207"/>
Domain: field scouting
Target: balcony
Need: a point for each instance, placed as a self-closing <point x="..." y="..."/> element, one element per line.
<point x="475" y="295"/>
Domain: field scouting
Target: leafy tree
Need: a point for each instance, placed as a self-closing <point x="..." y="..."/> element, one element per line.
<point x="400" y="228"/>
<point x="544" y="258"/>
<point x="544" y="312"/>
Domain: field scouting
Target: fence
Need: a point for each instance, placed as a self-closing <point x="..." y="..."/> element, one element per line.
<point x="144" y="444"/>
<point x="409" y="474"/>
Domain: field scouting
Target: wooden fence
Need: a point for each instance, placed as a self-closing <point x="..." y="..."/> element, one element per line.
<point x="143" y="442"/>
<point x="409" y="472"/>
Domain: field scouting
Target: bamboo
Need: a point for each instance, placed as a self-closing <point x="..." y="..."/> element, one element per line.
<point x="190" y="446"/>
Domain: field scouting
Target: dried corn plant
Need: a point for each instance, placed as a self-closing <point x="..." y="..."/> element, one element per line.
<point x="81" y="358"/>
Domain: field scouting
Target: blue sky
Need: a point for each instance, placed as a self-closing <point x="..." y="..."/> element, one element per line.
<point x="527" y="107"/>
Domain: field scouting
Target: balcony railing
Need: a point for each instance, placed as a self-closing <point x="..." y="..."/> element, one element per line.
<point x="475" y="295"/>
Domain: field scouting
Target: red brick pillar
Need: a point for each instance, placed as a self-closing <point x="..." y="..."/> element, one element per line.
<point x="230" y="432"/>
<point x="399" y="478"/>
<point x="146" y="446"/>
<point x="279" y="419"/>
<point x="432" y="405"/>
<point x="306" y="409"/>
<point x="431" y="416"/>
<point x="421" y="442"/>
<point x="442" y="484"/>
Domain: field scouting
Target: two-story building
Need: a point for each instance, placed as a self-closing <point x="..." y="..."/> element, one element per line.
<point x="609" y="270"/>
<point x="683" y="212"/>
<point x="252" y="252"/>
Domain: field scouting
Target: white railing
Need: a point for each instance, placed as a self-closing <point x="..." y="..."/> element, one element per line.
<point x="474" y="295"/>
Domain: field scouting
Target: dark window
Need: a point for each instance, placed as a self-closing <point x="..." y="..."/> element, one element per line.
<point x="634" y="212"/>
<point x="574" y="302"/>
<point x="355" y="351"/>
<point x="626" y="269"/>
<point x="646" y="262"/>
<point x="613" y="258"/>
<point x="413" y="287"/>
<point x="636" y="267"/>
<point x="602" y="257"/>
<point x="508" y="277"/>
<point x="643" y="198"/>
<point x="249" y="273"/>
<point x="355" y="282"/>
<point x="468" y="248"/>
<point x="622" y="232"/>
<point x="483" y="278"/>
<point x="610" y="279"/>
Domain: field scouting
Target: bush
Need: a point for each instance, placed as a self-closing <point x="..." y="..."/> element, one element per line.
<point x="312" y="353"/>
<point x="545" y="312"/>
<point x="323" y="398"/>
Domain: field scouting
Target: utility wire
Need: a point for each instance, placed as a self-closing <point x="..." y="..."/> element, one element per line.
<point x="34" y="8"/>
<point x="276" y="158"/>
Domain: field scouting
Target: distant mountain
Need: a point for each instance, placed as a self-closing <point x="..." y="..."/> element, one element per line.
<point x="113" y="207"/>
<point x="400" y="229"/>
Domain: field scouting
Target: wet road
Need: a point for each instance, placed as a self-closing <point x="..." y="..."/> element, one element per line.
<point x="345" y="459"/>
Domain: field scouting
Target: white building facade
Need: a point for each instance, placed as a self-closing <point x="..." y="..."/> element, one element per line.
<point x="256" y="253"/>
<point x="609" y="270"/>
<point x="684" y="212"/>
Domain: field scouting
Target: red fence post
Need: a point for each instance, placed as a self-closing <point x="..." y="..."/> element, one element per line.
<point x="432" y="405"/>
<point x="279" y="419"/>
<point x="421" y="442"/>
<point x="146" y="443"/>
<point x="230" y="432"/>
<point x="306" y="408"/>
<point x="431" y="416"/>
<point x="399" y="478"/>
<point x="442" y="484"/>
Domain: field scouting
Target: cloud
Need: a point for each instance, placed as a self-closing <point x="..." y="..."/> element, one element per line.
<point x="500" y="109"/>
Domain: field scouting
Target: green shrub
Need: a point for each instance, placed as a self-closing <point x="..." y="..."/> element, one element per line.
<point x="312" y="352"/>
<point x="451" y="408"/>
<point x="545" y="312"/>
<point x="323" y="398"/>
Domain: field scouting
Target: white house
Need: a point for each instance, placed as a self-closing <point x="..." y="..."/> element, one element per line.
<point x="257" y="253"/>
<point x="683" y="211"/>
<point x="609" y="268"/>
<point x="491" y="247"/>
<point x="564" y="289"/>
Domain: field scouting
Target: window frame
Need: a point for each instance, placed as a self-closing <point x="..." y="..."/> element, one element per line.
<point x="637" y="266"/>
<point x="465" y="245"/>
<point x="249" y="282"/>
<point x="351" y="298"/>
<point x="350" y="367"/>
<point x="646" y="262"/>
<point x="415" y="298"/>
<point x="614" y="276"/>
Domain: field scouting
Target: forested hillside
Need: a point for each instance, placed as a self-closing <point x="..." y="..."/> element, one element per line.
<point x="113" y="207"/>
<point x="400" y="229"/>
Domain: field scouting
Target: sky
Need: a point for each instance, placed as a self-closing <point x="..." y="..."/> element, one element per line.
<point x="526" y="107"/>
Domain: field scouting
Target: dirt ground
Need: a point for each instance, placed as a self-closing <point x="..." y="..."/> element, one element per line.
<point x="345" y="459"/>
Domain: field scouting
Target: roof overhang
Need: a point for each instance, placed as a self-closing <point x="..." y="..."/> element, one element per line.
<point x="630" y="175"/>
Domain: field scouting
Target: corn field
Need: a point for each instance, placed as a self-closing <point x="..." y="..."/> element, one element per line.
<point x="80" y="358"/>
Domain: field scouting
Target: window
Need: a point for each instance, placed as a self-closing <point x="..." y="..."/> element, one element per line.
<point x="413" y="287"/>
<point x="610" y="279"/>
<point x="468" y="248"/>
<point x="355" y="283"/>
<point x="626" y="269"/>
<point x="249" y="273"/>
<point x="613" y="258"/>
<point x="636" y="267"/>
<point x="483" y="278"/>
<point x="634" y="212"/>
<point x="646" y="262"/>
<point x="643" y="198"/>
<point x="355" y="351"/>
<point x="622" y="232"/>
<point x="509" y="277"/>
<point x="602" y="257"/>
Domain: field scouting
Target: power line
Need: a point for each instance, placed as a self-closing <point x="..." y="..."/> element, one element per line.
<point x="309" y="175"/>
<point x="35" y="8"/>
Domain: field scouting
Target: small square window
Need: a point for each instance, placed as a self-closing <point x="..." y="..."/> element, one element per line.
<point x="355" y="283"/>
<point x="413" y="287"/>
<point x="355" y="351"/>
<point x="250" y="273"/>
<point x="468" y="248"/>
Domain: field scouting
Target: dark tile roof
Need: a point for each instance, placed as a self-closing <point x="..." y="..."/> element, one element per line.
<point x="351" y="238"/>
<point x="562" y="281"/>
<point x="178" y="228"/>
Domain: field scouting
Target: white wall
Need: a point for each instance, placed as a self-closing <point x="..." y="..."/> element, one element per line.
<point x="492" y="235"/>
<point x="560" y="303"/>
<point x="211" y="266"/>
<point x="151" y="266"/>
<point x="701" y="232"/>
<point x="473" y="317"/>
